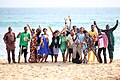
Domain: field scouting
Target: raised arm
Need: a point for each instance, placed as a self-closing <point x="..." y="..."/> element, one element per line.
<point x="18" y="35"/>
<point x="115" y="25"/>
<point x="64" y="29"/>
<point x="98" y="27"/>
<point x="29" y="28"/>
<point x="65" y="21"/>
<point x="51" y="29"/>
<point x="70" y="22"/>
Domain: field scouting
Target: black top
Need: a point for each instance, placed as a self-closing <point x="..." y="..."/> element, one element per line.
<point x="55" y="42"/>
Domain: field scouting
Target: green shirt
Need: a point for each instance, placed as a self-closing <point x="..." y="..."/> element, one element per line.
<point x="63" y="39"/>
<point x="24" y="37"/>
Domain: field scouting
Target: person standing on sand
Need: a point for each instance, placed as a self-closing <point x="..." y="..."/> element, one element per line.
<point x="63" y="42"/>
<point x="70" y="45"/>
<point x="33" y="46"/>
<point x="94" y="34"/>
<point x="38" y="36"/>
<point x="9" y="39"/>
<point x="102" y="44"/>
<point x="111" y="41"/>
<point x="79" y="45"/>
<point x="24" y="39"/>
<point x="44" y="47"/>
<point x="54" y="44"/>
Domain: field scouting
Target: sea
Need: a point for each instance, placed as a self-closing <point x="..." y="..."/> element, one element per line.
<point x="18" y="18"/>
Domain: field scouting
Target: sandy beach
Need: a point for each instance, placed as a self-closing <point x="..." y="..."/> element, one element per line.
<point x="60" y="71"/>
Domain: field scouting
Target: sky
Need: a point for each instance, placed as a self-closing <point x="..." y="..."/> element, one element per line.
<point x="59" y="3"/>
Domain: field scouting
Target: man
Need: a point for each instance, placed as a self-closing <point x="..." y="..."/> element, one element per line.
<point x="94" y="34"/>
<point x="109" y="33"/>
<point x="79" y="44"/>
<point x="9" y="39"/>
<point x="70" y="44"/>
<point x="102" y="45"/>
<point x="24" y="39"/>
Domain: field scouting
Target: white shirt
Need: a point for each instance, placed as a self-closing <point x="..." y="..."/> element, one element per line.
<point x="70" y="40"/>
<point x="101" y="42"/>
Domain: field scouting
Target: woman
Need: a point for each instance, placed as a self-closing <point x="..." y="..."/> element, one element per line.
<point x="33" y="48"/>
<point x="44" y="47"/>
<point x="54" y="44"/>
<point x="63" y="44"/>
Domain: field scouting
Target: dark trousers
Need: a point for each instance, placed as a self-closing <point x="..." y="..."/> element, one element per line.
<point x="104" y="54"/>
<point x="13" y="55"/>
<point x="23" y="50"/>
<point x="110" y="51"/>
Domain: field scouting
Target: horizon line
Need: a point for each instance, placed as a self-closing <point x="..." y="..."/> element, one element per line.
<point x="63" y="7"/>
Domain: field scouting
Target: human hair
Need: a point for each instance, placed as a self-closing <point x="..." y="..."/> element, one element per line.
<point x="25" y="27"/>
<point x="44" y="29"/>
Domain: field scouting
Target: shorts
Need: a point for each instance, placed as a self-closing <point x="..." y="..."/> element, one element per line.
<point x="23" y="49"/>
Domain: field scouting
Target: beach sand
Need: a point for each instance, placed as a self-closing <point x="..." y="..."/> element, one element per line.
<point x="59" y="71"/>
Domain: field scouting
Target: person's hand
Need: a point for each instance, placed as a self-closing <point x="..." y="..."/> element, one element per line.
<point x="42" y="45"/>
<point x="19" y="33"/>
<point x="49" y="27"/>
<point x="77" y="42"/>
<point x="81" y="43"/>
<point x="69" y="18"/>
<point x="67" y="46"/>
<point x="94" y="22"/>
<point x="117" y="21"/>
<point x="28" y="40"/>
<point x="28" y="25"/>
<point x="65" y="19"/>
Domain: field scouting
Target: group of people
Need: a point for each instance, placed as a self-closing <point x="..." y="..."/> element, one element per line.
<point x="74" y="42"/>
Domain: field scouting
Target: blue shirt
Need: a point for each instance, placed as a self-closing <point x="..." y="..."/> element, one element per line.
<point x="80" y="37"/>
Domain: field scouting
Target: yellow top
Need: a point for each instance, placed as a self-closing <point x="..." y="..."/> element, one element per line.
<point x="95" y="34"/>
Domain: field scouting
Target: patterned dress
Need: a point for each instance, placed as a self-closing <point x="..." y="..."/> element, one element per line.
<point x="90" y="43"/>
<point x="33" y="50"/>
<point x="9" y="39"/>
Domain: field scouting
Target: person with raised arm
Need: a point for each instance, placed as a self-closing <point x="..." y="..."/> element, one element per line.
<point x="9" y="39"/>
<point x="33" y="43"/>
<point x="111" y="42"/>
<point x="24" y="39"/>
<point x="63" y="42"/>
<point x="69" y="33"/>
<point x="70" y="45"/>
<point x="38" y="36"/>
<point x="102" y="45"/>
<point x="54" y="44"/>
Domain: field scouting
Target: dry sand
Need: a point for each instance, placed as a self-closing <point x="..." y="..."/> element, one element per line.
<point x="60" y="71"/>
